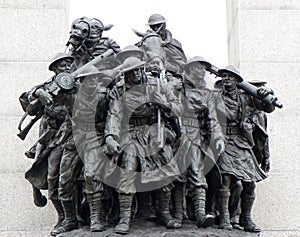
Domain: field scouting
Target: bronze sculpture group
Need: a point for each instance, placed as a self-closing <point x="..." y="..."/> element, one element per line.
<point x="136" y="132"/>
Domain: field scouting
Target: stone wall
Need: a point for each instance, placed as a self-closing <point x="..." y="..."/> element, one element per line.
<point x="264" y="43"/>
<point x="31" y="32"/>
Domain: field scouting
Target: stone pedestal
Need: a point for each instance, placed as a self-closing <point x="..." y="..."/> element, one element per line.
<point x="31" y="32"/>
<point x="264" y="43"/>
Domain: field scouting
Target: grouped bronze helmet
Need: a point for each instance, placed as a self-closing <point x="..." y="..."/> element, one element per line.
<point x="132" y="63"/>
<point x="57" y="57"/>
<point x="155" y="19"/>
<point x="88" y="71"/>
<point x="232" y="70"/>
<point x="194" y="61"/>
<point x="129" y="51"/>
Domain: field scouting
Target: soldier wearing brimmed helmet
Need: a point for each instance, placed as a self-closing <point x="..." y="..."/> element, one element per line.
<point x="56" y="97"/>
<point x="238" y="163"/>
<point x="201" y="136"/>
<point x="88" y="123"/>
<point x="175" y="56"/>
<point x="132" y="134"/>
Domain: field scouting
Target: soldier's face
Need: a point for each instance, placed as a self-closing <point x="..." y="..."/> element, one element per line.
<point x="229" y="81"/>
<point x="134" y="76"/>
<point x="158" y="27"/>
<point x="91" y="81"/>
<point x="63" y="66"/>
<point x="199" y="71"/>
<point x="197" y="74"/>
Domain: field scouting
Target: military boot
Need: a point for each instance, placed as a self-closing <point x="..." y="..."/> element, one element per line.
<point x="245" y="217"/>
<point x="163" y="212"/>
<point x="60" y="213"/>
<point x="125" y="201"/>
<point x="96" y="212"/>
<point x="203" y="220"/>
<point x="178" y="201"/>
<point x="222" y="200"/>
<point x="70" y="222"/>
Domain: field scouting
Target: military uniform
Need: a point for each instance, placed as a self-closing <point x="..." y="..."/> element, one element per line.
<point x="200" y="132"/>
<point x="89" y="116"/>
<point x="131" y="124"/>
<point x="238" y="161"/>
<point x="60" y="89"/>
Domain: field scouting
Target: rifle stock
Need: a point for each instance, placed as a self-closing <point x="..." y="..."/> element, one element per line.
<point x="31" y="109"/>
<point x="23" y="132"/>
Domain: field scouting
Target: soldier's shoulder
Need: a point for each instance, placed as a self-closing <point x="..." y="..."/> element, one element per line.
<point x="176" y="43"/>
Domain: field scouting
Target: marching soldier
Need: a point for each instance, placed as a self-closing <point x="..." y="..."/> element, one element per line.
<point x="238" y="162"/>
<point x="131" y="133"/>
<point x="56" y="94"/>
<point x="201" y="135"/>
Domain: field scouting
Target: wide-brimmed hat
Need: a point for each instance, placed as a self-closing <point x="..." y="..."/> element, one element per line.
<point x="57" y="57"/>
<point x="130" y="51"/>
<point x="232" y="70"/>
<point x="194" y="61"/>
<point x="132" y="63"/>
<point x="155" y="19"/>
<point x="88" y="71"/>
<point x="104" y="76"/>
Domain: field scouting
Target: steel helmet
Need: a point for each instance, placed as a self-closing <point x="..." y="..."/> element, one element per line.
<point x="156" y="19"/>
<point x="232" y="70"/>
<point x="132" y="63"/>
<point x="88" y="71"/>
<point x="130" y="51"/>
<point x="57" y="57"/>
<point x="196" y="59"/>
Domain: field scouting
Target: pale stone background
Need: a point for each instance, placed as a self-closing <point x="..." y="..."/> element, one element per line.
<point x="263" y="40"/>
<point x="31" y="32"/>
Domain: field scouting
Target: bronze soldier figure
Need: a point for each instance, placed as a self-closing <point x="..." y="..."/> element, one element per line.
<point x="56" y="95"/>
<point x="89" y="116"/>
<point x="201" y="134"/>
<point x="238" y="161"/>
<point x="131" y="134"/>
